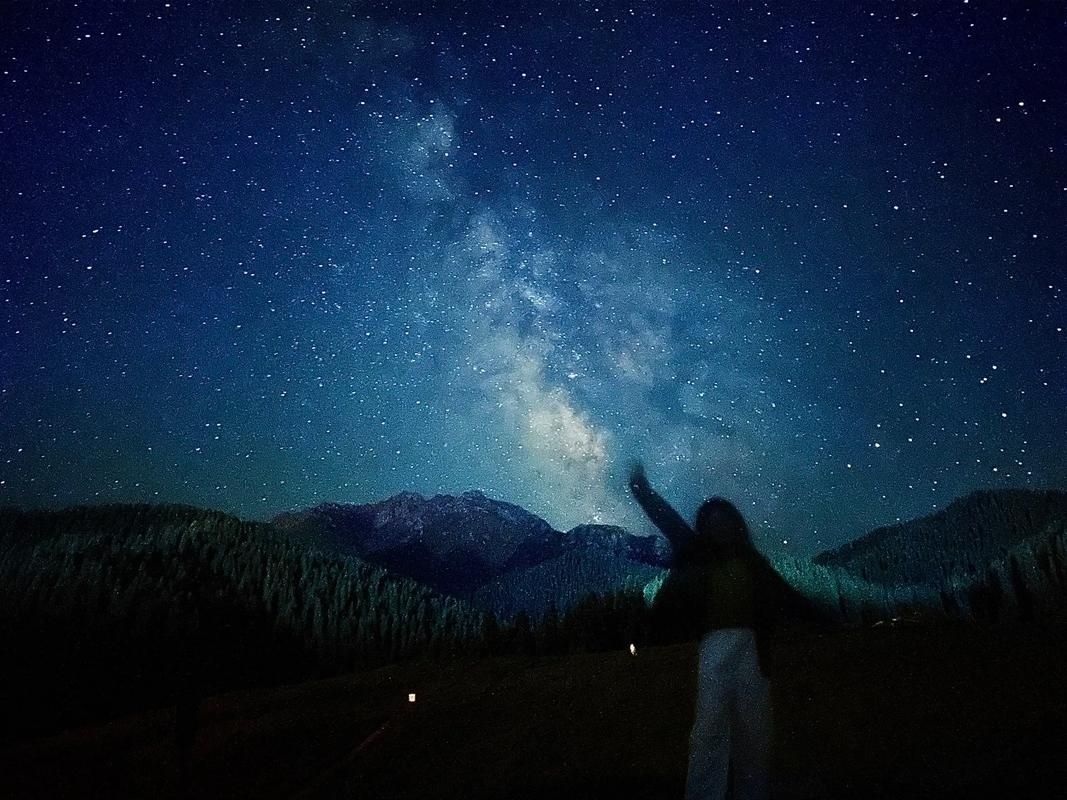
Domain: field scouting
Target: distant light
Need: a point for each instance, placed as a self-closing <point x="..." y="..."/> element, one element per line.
<point x="411" y="697"/>
<point x="633" y="649"/>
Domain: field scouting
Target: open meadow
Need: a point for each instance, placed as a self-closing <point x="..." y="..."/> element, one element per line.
<point x="913" y="711"/>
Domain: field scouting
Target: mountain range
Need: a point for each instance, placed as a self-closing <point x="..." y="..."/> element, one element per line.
<point x="989" y="554"/>
<point x="471" y="546"/>
<point x="503" y="558"/>
<point x="138" y="596"/>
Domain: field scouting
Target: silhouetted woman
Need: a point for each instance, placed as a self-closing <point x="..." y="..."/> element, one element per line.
<point x="721" y="591"/>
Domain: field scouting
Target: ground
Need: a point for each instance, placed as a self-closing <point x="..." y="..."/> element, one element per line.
<point x="891" y="712"/>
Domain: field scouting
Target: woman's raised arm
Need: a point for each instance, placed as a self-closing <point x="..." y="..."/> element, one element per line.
<point x="674" y="527"/>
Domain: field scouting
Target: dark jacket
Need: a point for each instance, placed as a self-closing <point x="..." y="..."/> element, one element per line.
<point x="712" y="587"/>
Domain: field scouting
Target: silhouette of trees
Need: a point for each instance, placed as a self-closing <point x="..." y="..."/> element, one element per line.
<point x="610" y="621"/>
<point x="550" y="632"/>
<point x="986" y="598"/>
<point x="523" y="642"/>
<point x="492" y="637"/>
<point x="136" y="594"/>
<point x="953" y="547"/>
<point x="1021" y="582"/>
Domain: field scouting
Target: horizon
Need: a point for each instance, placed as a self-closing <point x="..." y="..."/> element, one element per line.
<point x="760" y="537"/>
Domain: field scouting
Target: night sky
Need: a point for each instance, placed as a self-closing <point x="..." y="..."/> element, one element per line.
<point x="808" y="256"/>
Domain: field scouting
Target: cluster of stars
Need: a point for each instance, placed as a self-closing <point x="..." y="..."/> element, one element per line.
<point x="808" y="259"/>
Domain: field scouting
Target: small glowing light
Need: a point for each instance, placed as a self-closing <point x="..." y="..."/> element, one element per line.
<point x="411" y="697"/>
<point x="633" y="649"/>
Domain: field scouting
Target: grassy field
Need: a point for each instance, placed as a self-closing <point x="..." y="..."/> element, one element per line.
<point x="909" y="712"/>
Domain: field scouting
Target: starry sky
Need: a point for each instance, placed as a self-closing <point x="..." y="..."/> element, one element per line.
<point x="807" y="256"/>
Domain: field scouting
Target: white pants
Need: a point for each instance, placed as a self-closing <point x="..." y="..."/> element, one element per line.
<point x="733" y="720"/>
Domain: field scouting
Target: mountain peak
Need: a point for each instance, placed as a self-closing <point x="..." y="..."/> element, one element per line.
<point x="405" y="496"/>
<point x="459" y="543"/>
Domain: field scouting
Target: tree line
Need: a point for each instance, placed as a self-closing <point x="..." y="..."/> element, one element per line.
<point x="114" y="608"/>
<point x="104" y="609"/>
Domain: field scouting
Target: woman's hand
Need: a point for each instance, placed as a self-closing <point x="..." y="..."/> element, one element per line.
<point x="638" y="480"/>
<point x="669" y="521"/>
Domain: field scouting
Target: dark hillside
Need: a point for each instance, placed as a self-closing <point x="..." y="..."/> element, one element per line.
<point x="110" y="608"/>
<point x="955" y="543"/>
<point x="563" y="581"/>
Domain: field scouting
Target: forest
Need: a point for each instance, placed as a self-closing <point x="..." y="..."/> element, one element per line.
<point x="112" y="609"/>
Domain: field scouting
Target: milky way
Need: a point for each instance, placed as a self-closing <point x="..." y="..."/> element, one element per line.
<point x="806" y="256"/>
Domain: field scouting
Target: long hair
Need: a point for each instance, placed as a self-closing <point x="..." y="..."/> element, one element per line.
<point x="721" y="532"/>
